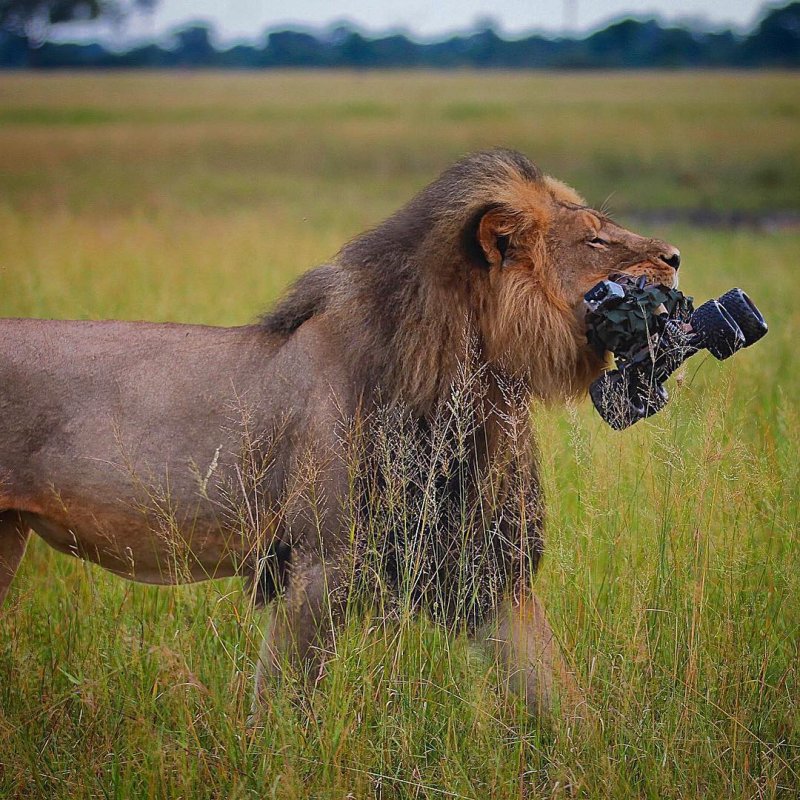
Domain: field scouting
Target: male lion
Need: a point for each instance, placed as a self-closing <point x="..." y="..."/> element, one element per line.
<point x="170" y="453"/>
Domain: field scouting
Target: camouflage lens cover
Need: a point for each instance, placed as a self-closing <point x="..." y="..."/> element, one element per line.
<point x="625" y="324"/>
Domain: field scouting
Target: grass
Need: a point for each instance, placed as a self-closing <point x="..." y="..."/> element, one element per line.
<point x="672" y="569"/>
<point x="214" y="142"/>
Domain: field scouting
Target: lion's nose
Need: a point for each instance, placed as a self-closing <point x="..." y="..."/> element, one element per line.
<point x="672" y="256"/>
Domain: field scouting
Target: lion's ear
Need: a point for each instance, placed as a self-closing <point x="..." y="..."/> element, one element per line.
<point x="493" y="234"/>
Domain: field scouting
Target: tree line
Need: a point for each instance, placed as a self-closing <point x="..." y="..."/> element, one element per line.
<point x="774" y="41"/>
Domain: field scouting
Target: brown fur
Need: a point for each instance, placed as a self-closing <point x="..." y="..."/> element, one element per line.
<point x="172" y="453"/>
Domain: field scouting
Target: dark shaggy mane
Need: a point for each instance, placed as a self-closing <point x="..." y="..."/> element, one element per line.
<point x="307" y="297"/>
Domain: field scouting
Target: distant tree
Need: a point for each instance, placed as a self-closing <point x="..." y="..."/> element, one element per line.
<point x="776" y="41"/>
<point x="193" y="47"/>
<point x="33" y="18"/>
<point x="486" y="48"/>
<point x="293" y="49"/>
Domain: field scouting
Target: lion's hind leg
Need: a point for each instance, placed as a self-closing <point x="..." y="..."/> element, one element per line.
<point x="531" y="659"/>
<point x="14" y="535"/>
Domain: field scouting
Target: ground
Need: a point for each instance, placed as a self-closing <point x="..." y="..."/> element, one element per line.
<point x="672" y="570"/>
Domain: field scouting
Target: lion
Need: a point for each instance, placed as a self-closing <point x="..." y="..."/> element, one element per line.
<point x="171" y="453"/>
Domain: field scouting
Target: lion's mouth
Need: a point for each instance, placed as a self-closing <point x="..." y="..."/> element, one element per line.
<point x="650" y="277"/>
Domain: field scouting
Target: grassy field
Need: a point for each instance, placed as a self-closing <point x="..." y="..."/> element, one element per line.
<point x="672" y="573"/>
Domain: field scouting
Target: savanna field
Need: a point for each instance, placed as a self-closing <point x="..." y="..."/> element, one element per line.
<point x="672" y="569"/>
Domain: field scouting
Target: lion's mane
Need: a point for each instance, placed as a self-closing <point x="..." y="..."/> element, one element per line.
<point x="406" y="295"/>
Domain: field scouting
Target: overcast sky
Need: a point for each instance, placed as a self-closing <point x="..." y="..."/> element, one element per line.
<point x="246" y="19"/>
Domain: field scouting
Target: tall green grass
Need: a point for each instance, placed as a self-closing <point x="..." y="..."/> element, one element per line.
<point x="672" y="567"/>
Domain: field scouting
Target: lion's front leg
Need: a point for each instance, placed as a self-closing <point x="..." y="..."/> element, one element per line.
<point x="301" y="628"/>
<point x="530" y="657"/>
<point x="14" y="535"/>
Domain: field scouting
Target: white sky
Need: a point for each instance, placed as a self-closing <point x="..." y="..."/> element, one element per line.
<point x="247" y="19"/>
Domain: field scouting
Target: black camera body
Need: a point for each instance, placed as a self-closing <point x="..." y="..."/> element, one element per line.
<point x="651" y="330"/>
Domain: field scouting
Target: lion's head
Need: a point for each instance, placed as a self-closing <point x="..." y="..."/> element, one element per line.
<point x="494" y="250"/>
<point x="539" y="250"/>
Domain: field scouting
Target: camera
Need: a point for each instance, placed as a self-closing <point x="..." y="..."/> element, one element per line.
<point x="651" y="330"/>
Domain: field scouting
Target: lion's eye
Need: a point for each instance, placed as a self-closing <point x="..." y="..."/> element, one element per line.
<point x="598" y="242"/>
